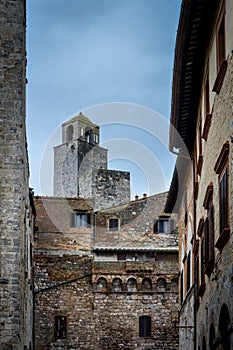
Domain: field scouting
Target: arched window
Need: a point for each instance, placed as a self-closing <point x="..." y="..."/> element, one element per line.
<point x="224" y="321"/>
<point x="144" y="326"/>
<point x="101" y="285"/>
<point x="69" y="133"/>
<point x="212" y="337"/>
<point x="161" y="284"/>
<point x="131" y="285"/>
<point x="117" y="285"/>
<point x="146" y="285"/>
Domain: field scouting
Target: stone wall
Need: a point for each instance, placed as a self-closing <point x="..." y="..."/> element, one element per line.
<point x="110" y="188"/>
<point x="103" y="318"/>
<point x="219" y="284"/>
<point x="72" y="161"/>
<point x="15" y="232"/>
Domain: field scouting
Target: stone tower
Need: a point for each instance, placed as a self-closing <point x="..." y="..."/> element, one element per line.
<point x="15" y="232"/>
<point x="80" y="166"/>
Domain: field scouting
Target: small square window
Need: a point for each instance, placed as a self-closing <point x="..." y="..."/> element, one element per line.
<point x="161" y="226"/>
<point x="82" y="220"/>
<point x="113" y="224"/>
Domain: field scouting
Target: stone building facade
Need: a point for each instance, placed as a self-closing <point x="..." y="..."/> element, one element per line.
<point x="202" y="115"/>
<point x="80" y="166"/>
<point x="102" y="286"/>
<point x="16" y="212"/>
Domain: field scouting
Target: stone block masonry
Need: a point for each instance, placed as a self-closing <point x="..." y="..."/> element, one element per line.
<point x="15" y="295"/>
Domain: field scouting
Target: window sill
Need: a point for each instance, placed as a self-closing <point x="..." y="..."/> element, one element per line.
<point x="220" y="77"/>
<point x="223" y="239"/>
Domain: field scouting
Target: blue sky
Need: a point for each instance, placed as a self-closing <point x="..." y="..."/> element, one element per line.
<point x="102" y="57"/>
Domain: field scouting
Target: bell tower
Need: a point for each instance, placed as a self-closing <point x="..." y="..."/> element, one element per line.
<point x="80" y="167"/>
<point x="78" y="154"/>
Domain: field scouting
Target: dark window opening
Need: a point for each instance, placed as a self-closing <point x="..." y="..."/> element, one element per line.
<point x="121" y="256"/>
<point x="60" y="326"/>
<point x="223" y="186"/>
<point x="144" y="326"/>
<point x="69" y="133"/>
<point x="161" y="226"/>
<point x="113" y="224"/>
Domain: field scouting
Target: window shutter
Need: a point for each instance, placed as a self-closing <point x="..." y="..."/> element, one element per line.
<point x="72" y="219"/>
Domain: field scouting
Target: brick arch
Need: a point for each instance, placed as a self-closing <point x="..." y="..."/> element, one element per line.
<point x="146" y="284"/>
<point x="161" y="284"/>
<point x="101" y="284"/>
<point x="117" y="284"/>
<point x="131" y="284"/>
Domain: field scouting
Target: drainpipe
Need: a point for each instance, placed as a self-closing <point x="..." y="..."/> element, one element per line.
<point x="195" y="271"/>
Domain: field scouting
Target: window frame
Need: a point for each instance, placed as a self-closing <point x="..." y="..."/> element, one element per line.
<point x="209" y="231"/>
<point x="77" y="222"/>
<point x="222" y="169"/>
<point x="145" y="326"/>
<point x="160" y="221"/>
<point x="221" y="61"/>
<point x="60" y="327"/>
<point x="113" y="228"/>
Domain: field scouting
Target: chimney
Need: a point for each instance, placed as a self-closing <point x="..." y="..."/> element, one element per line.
<point x="144" y="195"/>
<point x="136" y="197"/>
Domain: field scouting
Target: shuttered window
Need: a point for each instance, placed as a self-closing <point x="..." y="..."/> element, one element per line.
<point x="223" y="201"/>
<point x="80" y="220"/>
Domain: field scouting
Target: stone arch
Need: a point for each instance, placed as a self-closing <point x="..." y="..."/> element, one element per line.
<point x="69" y="133"/>
<point x="131" y="285"/>
<point x="101" y="284"/>
<point x="117" y="284"/>
<point x="212" y="337"/>
<point x="161" y="284"/>
<point x="224" y="321"/>
<point x="146" y="284"/>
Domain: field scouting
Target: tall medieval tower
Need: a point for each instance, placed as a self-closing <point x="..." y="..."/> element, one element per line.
<point x="81" y="166"/>
<point x="15" y="262"/>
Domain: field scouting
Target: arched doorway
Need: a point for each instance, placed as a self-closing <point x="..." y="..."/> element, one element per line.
<point x="224" y="321"/>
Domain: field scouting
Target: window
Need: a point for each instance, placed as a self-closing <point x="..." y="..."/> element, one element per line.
<point x="161" y="226"/>
<point x="82" y="220"/>
<point x="206" y="107"/>
<point x="188" y="271"/>
<point x="222" y="169"/>
<point x="221" y="51"/>
<point x="60" y="327"/>
<point x="144" y="326"/>
<point x="96" y="138"/>
<point x="146" y="285"/>
<point x="221" y="38"/>
<point x="113" y="224"/>
<point x="121" y="256"/>
<point x="209" y="230"/>
<point x="181" y="287"/>
<point x="69" y="133"/>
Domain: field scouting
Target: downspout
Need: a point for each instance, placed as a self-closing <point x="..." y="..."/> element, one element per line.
<point x="194" y="266"/>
